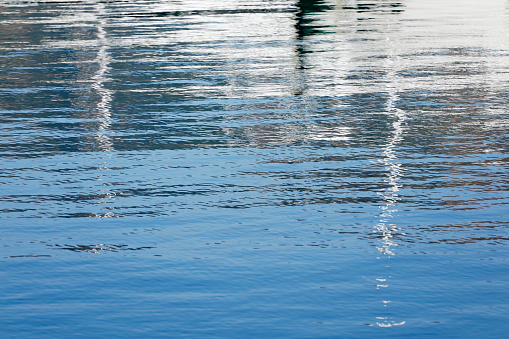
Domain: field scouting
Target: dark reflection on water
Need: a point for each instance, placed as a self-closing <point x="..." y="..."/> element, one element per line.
<point x="284" y="168"/>
<point x="98" y="248"/>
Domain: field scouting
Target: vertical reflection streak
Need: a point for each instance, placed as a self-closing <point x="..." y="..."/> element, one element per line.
<point x="394" y="173"/>
<point x="103" y="59"/>
<point x="385" y="227"/>
<point x="103" y="107"/>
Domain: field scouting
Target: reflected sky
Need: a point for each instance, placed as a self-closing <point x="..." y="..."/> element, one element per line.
<point x="372" y="92"/>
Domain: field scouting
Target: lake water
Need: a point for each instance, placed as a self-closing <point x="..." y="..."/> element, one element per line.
<point x="254" y="169"/>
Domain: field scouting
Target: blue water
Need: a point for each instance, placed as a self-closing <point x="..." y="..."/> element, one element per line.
<point x="254" y="169"/>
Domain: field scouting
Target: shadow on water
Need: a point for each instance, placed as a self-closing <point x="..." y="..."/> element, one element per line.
<point x="308" y="20"/>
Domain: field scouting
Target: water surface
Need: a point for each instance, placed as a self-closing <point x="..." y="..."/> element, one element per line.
<point x="254" y="169"/>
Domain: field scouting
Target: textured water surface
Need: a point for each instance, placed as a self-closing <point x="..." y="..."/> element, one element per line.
<point x="254" y="169"/>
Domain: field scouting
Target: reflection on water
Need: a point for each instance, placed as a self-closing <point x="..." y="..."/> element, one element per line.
<point x="286" y="168"/>
<point x="103" y="108"/>
<point x="98" y="248"/>
<point x="103" y="59"/>
<point x="394" y="173"/>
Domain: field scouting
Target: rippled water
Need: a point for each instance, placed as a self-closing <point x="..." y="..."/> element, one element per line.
<point x="254" y="169"/>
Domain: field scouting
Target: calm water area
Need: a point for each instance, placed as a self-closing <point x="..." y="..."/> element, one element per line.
<point x="254" y="169"/>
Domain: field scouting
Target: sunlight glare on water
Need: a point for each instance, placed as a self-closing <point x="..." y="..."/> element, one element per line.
<point x="254" y="169"/>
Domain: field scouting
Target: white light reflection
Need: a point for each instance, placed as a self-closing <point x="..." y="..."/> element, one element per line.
<point x="385" y="227"/>
<point x="103" y="106"/>
<point x="390" y="194"/>
<point x="103" y="59"/>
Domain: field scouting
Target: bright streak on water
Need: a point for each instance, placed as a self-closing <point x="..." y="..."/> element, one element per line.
<point x="254" y="169"/>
